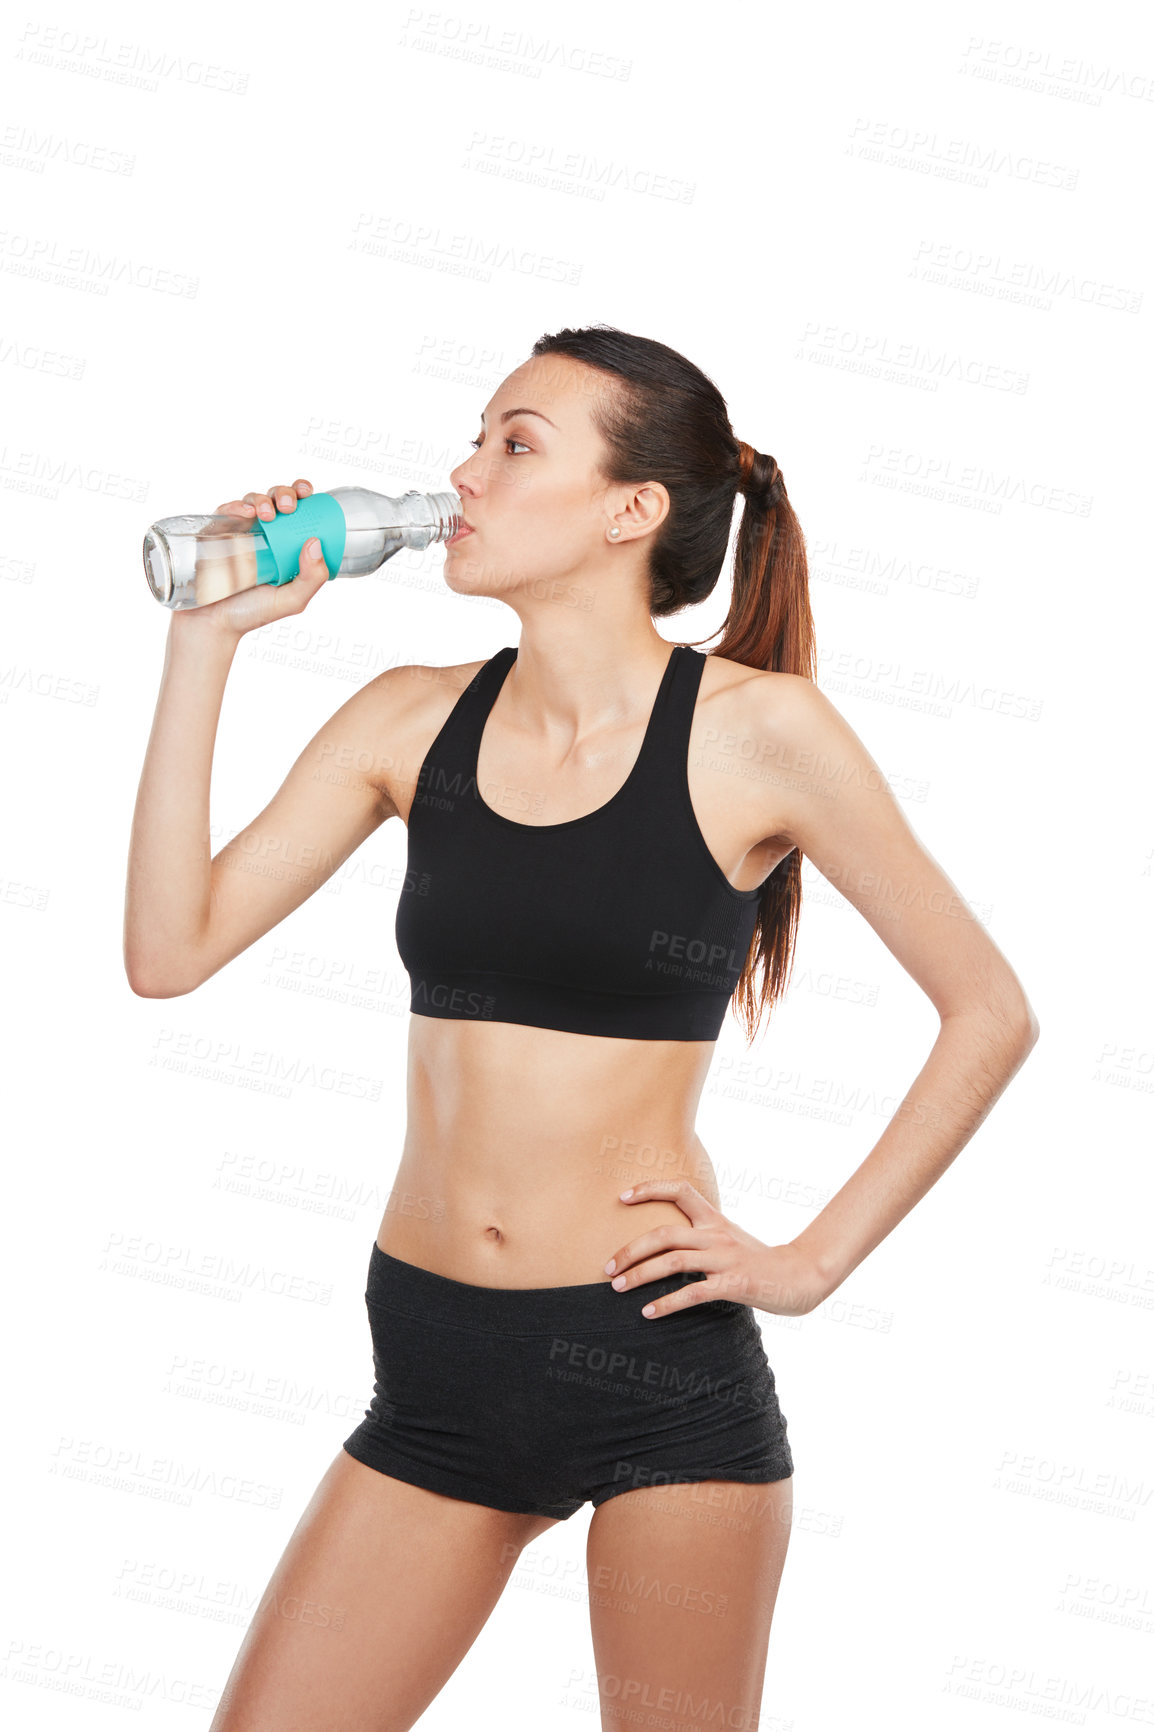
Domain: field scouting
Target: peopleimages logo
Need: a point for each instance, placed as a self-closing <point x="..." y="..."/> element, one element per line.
<point x="119" y="62"/>
<point x="674" y="946"/>
<point x="1026" y="282"/>
<point x="544" y="163"/>
<point x="453" y="998"/>
<point x="509" y="50"/>
<point x="460" y="254"/>
<point x="960" y="159"/>
<point x="1064" y="75"/>
<point x="86" y="268"/>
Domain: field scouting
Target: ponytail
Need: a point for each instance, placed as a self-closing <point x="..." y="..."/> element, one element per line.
<point x="769" y="625"/>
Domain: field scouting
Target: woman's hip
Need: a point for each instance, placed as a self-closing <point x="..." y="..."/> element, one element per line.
<point x="571" y="1355"/>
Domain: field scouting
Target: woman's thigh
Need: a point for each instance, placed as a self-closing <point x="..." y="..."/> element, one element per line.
<point x="683" y="1580"/>
<point x="380" y="1593"/>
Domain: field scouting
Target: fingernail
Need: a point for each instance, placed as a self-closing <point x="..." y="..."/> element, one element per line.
<point x="627" y="1193"/>
<point x="611" y="1265"/>
<point x="619" y="1283"/>
<point x="313" y="547"/>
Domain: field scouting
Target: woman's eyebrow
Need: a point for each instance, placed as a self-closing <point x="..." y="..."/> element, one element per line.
<point x="508" y="415"/>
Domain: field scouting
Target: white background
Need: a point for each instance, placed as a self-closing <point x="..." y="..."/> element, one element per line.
<point x="910" y="245"/>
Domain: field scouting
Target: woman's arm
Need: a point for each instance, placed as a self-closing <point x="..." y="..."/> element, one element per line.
<point x="975" y="1055"/>
<point x="843" y="817"/>
<point x="823" y="792"/>
<point x="185" y="913"/>
<point x="167" y="891"/>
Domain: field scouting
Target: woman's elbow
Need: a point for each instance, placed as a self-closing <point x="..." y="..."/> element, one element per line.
<point x="1033" y="1028"/>
<point x="154" y="983"/>
<point x="1023" y="1026"/>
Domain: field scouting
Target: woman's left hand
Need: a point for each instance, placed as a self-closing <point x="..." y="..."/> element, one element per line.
<point x="736" y="1266"/>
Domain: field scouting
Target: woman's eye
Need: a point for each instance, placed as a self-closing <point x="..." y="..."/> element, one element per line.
<point x="509" y="440"/>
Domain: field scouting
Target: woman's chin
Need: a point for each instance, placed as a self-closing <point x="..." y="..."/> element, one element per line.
<point x="465" y="575"/>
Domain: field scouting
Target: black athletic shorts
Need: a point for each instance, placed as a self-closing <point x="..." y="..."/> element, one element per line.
<point x="540" y="1399"/>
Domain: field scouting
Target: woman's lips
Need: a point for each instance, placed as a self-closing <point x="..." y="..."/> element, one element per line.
<point x="460" y="535"/>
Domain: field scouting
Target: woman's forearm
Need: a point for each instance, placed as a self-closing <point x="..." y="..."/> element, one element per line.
<point x="169" y="876"/>
<point x="975" y="1055"/>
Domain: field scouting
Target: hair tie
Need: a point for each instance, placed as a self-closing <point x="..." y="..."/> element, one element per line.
<point x="766" y="493"/>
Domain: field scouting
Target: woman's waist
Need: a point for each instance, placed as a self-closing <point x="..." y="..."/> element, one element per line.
<point x="541" y="1216"/>
<point x="520" y="1168"/>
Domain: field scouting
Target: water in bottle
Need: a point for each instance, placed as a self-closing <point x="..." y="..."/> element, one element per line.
<point x="189" y="561"/>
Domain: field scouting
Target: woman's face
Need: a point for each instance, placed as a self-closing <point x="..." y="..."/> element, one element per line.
<point x="533" y="490"/>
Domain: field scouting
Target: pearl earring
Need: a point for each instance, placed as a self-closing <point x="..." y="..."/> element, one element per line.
<point x="615" y="532"/>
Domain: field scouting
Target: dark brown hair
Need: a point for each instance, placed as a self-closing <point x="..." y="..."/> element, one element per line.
<point x="663" y="419"/>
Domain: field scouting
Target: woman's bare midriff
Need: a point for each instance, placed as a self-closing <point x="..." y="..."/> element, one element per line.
<point x="519" y="1139"/>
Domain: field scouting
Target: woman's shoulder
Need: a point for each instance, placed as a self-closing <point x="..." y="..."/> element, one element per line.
<point x="753" y="697"/>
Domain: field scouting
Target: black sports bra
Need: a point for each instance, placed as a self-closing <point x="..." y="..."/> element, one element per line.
<point x="618" y="923"/>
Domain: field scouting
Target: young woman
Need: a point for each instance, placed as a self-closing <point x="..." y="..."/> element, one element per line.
<point x="605" y="837"/>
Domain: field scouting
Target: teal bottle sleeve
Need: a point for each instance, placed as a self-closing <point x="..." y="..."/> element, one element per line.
<point x="286" y="533"/>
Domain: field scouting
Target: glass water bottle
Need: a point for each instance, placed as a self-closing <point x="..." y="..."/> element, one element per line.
<point x="189" y="561"/>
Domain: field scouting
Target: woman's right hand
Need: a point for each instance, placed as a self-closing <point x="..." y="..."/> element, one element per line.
<point x="250" y="608"/>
